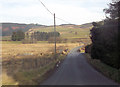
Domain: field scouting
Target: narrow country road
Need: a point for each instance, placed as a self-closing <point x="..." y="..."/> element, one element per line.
<point x="75" y="70"/>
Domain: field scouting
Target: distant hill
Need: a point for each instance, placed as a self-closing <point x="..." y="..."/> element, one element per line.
<point x="68" y="31"/>
<point x="8" y="28"/>
<point x="67" y="24"/>
<point x="83" y="26"/>
<point x="71" y="32"/>
<point x="86" y="25"/>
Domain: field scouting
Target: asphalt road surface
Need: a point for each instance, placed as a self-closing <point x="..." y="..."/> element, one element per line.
<point x="75" y="70"/>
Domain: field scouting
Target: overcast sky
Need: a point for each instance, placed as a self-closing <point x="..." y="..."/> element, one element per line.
<point x="32" y="11"/>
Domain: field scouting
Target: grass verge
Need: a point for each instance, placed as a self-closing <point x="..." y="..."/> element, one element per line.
<point x="106" y="70"/>
<point x="32" y="76"/>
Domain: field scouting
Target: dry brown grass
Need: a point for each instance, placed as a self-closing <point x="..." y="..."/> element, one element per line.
<point x="24" y="58"/>
<point x="23" y="50"/>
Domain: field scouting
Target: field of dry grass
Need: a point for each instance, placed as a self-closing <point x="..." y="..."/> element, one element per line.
<point x="17" y="51"/>
<point x="21" y="58"/>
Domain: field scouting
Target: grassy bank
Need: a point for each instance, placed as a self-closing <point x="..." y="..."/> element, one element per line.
<point x="106" y="70"/>
<point x="32" y="76"/>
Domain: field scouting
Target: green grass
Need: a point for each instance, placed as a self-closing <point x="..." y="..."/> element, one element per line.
<point x="19" y="42"/>
<point x="42" y="41"/>
<point x="6" y="38"/>
<point x="106" y="70"/>
<point x="11" y="42"/>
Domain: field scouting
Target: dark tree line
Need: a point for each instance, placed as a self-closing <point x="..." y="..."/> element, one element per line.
<point x="105" y="37"/>
<point x="39" y="36"/>
<point x="44" y="36"/>
<point x="18" y="36"/>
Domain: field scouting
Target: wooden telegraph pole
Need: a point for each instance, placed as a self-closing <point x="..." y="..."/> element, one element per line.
<point x="54" y="34"/>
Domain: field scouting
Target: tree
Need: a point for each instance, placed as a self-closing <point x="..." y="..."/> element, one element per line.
<point x="114" y="19"/>
<point x="105" y="37"/>
<point x="113" y="10"/>
<point x="14" y="36"/>
<point x="18" y="36"/>
<point x="40" y="36"/>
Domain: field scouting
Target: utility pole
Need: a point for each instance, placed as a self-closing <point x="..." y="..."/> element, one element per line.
<point x="54" y="34"/>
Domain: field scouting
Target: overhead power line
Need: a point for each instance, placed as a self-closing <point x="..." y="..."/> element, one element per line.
<point x="63" y="20"/>
<point x="46" y="7"/>
<point x="52" y="13"/>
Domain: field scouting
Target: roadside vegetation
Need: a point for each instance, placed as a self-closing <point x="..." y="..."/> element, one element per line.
<point x="104" y="49"/>
<point x="105" y="69"/>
